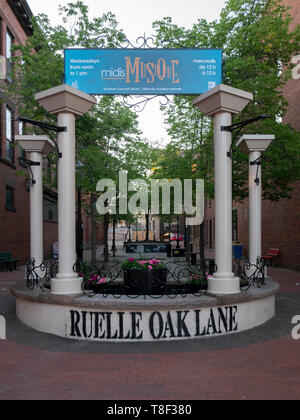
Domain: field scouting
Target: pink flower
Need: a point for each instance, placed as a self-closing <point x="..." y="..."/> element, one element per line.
<point x="150" y="267"/>
<point x="102" y="281"/>
<point x="131" y="259"/>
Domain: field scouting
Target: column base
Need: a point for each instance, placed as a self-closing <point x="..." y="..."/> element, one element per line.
<point x="66" y="284"/>
<point x="223" y="285"/>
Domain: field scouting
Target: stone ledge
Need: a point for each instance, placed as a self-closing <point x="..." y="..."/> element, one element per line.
<point x="20" y="291"/>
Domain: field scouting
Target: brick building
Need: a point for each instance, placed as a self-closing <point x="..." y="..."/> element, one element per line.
<point x="280" y="220"/>
<point x="14" y="199"/>
<point x="15" y="27"/>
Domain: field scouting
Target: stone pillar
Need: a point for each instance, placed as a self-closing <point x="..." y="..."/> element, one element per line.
<point x="221" y="103"/>
<point x="254" y="145"/>
<point x="37" y="147"/>
<point x="67" y="103"/>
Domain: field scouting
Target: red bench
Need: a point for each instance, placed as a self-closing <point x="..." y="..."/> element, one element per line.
<point x="272" y="257"/>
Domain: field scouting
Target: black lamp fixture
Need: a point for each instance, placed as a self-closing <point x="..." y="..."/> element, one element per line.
<point x="239" y="126"/>
<point x="257" y="162"/>
<point x="27" y="163"/>
<point x="46" y="128"/>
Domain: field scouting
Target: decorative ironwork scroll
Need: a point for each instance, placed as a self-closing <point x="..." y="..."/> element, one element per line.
<point x="251" y="275"/>
<point x="176" y="280"/>
<point x="142" y="101"/>
<point x="149" y="42"/>
<point x="39" y="276"/>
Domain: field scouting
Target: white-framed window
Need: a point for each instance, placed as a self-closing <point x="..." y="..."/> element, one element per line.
<point x="9" y="54"/>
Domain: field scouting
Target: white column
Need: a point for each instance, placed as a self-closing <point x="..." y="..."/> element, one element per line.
<point x="66" y="278"/>
<point x="254" y="145"/>
<point x="224" y="279"/>
<point x="221" y="103"/>
<point x="37" y="147"/>
<point x="67" y="103"/>
<point x="255" y="193"/>
<point x="36" y="211"/>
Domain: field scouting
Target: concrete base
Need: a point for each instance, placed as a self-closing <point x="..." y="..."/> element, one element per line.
<point x="223" y="285"/>
<point x="134" y="320"/>
<point x="66" y="284"/>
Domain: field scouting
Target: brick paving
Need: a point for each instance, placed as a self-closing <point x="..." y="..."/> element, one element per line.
<point x="260" y="364"/>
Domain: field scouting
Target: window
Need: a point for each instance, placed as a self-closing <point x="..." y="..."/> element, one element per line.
<point x="9" y="44"/>
<point x="10" y="199"/>
<point x="9" y="135"/>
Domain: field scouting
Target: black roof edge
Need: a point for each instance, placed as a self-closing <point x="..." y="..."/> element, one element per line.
<point x="23" y="13"/>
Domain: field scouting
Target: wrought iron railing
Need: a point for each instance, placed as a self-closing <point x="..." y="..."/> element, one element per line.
<point x="251" y="275"/>
<point x="176" y="279"/>
<point x="40" y="275"/>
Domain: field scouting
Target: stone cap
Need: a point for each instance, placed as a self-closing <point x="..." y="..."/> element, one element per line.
<point x="125" y="303"/>
<point x="255" y="143"/>
<point x="65" y="98"/>
<point x="39" y="144"/>
<point x="222" y="98"/>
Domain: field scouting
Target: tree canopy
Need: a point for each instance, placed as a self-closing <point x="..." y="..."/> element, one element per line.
<point x="258" y="47"/>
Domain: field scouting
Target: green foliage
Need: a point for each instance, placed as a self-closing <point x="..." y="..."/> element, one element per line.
<point x="108" y="138"/>
<point x="258" y="46"/>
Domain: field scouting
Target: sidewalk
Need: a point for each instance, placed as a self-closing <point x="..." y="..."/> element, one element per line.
<point x="259" y="364"/>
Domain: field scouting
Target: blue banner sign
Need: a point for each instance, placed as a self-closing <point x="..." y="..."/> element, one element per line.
<point x="143" y="71"/>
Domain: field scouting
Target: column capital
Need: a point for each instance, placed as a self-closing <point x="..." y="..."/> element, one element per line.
<point x="222" y="98"/>
<point x="255" y="142"/>
<point x="39" y="144"/>
<point x="65" y="98"/>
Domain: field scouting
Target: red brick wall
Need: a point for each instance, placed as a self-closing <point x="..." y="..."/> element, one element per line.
<point x="88" y="230"/>
<point x="281" y="229"/>
<point x="292" y="88"/>
<point x="14" y="226"/>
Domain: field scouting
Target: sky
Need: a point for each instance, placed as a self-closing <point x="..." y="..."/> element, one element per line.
<point x="135" y="18"/>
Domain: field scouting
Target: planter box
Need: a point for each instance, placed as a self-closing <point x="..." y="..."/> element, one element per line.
<point x="145" y="282"/>
<point x="194" y="289"/>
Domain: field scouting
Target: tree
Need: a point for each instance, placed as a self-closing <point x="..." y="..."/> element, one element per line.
<point x="258" y="47"/>
<point x="107" y="138"/>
